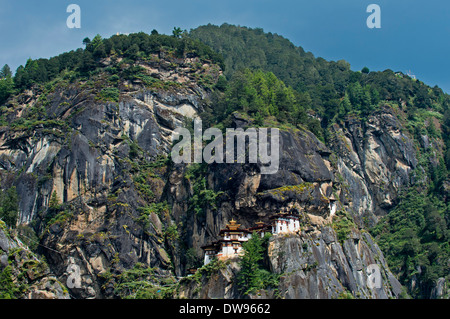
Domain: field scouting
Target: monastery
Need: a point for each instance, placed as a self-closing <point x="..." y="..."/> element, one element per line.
<point x="231" y="238"/>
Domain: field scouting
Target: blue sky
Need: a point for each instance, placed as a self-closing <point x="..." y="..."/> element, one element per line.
<point x="414" y="35"/>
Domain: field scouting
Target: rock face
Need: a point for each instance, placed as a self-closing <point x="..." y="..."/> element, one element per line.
<point x="216" y="284"/>
<point x="314" y="264"/>
<point x="120" y="202"/>
<point x="311" y="266"/>
<point x="94" y="155"/>
<point x="23" y="274"/>
<point x="375" y="161"/>
<point x="318" y="266"/>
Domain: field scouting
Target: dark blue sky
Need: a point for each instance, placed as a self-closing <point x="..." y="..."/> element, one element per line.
<point x="414" y="35"/>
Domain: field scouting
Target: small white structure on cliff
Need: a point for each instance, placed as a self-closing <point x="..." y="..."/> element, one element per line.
<point x="284" y="223"/>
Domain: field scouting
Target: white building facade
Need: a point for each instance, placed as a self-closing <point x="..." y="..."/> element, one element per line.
<point x="284" y="223"/>
<point x="232" y="237"/>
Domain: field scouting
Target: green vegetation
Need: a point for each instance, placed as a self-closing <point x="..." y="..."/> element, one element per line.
<point x="86" y="61"/>
<point x="343" y="224"/>
<point x="160" y="209"/>
<point x="264" y="99"/>
<point x="261" y="93"/>
<point x="202" y="197"/>
<point x="9" y="289"/>
<point x="141" y="282"/>
<point x="16" y="278"/>
<point x="9" y="206"/>
<point x="109" y="94"/>
<point x="144" y="170"/>
<point x="331" y="89"/>
<point x="415" y="234"/>
<point x="253" y="276"/>
<point x="206" y="271"/>
<point x="6" y="83"/>
<point x="415" y="237"/>
<point x="345" y="294"/>
<point x="243" y="47"/>
<point x="282" y="193"/>
<point x="53" y="203"/>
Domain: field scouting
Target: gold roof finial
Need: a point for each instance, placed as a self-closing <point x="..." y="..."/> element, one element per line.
<point x="233" y="225"/>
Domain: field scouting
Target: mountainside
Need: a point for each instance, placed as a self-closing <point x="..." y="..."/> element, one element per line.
<point x="23" y="274"/>
<point x="86" y="140"/>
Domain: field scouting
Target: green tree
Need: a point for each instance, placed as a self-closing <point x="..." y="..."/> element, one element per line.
<point x="221" y="83"/>
<point x="414" y="239"/>
<point x="53" y="203"/>
<point x="132" y="51"/>
<point x="6" y="88"/>
<point x="21" y="78"/>
<point x="86" y="41"/>
<point x="87" y="62"/>
<point x="8" y="289"/>
<point x="9" y="206"/>
<point x="346" y="106"/>
<point x="355" y="94"/>
<point x="100" y="51"/>
<point x="262" y="94"/>
<point x="177" y="32"/>
<point x="92" y="45"/>
<point x="252" y="275"/>
<point x="54" y="208"/>
<point x="5" y="72"/>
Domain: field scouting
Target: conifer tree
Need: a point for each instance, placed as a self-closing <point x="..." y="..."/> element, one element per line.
<point x="9" y="206"/>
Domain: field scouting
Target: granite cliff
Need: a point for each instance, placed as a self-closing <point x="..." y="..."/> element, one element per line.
<point x="24" y="274"/>
<point x="90" y="159"/>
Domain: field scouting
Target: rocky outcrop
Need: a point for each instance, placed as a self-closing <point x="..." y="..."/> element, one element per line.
<point x="318" y="266"/>
<point x="312" y="265"/>
<point x="304" y="180"/>
<point x="440" y="290"/>
<point x="23" y="274"/>
<point x="212" y="283"/>
<point x="98" y="157"/>
<point x="374" y="162"/>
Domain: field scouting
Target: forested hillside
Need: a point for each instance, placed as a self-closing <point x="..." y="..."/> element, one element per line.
<point x="87" y="131"/>
<point x="415" y="234"/>
<point x="334" y="89"/>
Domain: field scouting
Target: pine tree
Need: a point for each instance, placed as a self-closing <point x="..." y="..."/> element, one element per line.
<point x="5" y="72"/>
<point x="9" y="206"/>
<point x="86" y="41"/>
<point x="249" y="274"/>
<point x="177" y="32"/>
<point x="6" y="88"/>
<point x="54" y="201"/>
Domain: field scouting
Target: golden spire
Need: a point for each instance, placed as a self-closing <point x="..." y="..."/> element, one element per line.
<point x="233" y="225"/>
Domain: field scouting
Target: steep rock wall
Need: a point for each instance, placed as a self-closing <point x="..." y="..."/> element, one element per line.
<point x="92" y="154"/>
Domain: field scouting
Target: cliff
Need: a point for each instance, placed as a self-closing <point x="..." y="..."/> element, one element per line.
<point x="90" y="159"/>
<point x="331" y="255"/>
<point x="310" y="266"/>
<point x="23" y="274"/>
